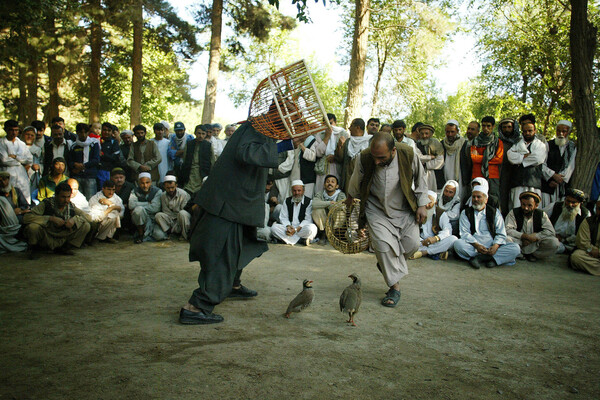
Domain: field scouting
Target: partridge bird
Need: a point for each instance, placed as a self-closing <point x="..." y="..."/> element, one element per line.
<point x="351" y="298"/>
<point x="302" y="300"/>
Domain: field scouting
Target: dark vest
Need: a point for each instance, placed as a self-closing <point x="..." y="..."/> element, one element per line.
<point x="405" y="156"/>
<point x="593" y="223"/>
<point x="557" y="210"/>
<point x="307" y="168"/>
<point x="280" y="175"/>
<point x="555" y="162"/>
<point x="146" y="196"/>
<point x="490" y="217"/>
<point x="435" y="223"/>
<point x="528" y="176"/>
<point x="303" y="207"/>
<point x="204" y="160"/>
<point x="538" y="216"/>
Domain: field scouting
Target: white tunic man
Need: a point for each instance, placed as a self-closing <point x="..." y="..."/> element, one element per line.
<point x="431" y="154"/>
<point x="436" y="232"/>
<point x="14" y="156"/>
<point x="531" y="229"/>
<point x="296" y="218"/>
<point x="559" y="165"/>
<point x="483" y="234"/>
<point x="527" y="156"/>
<point x="107" y="209"/>
<point x="322" y="202"/>
<point x="449" y="201"/>
<point x="389" y="179"/>
<point x="566" y="217"/>
<point x="144" y="203"/>
<point x="172" y="218"/>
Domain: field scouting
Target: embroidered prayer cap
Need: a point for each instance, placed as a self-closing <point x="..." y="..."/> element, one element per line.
<point x="170" y="178"/>
<point x="425" y="126"/>
<point x="433" y="194"/>
<point x="566" y="123"/>
<point x="145" y="175"/>
<point x="529" y="193"/>
<point x="577" y="194"/>
<point x="4" y="174"/>
<point x="297" y="182"/>
<point x="481" y="189"/>
<point x="127" y="132"/>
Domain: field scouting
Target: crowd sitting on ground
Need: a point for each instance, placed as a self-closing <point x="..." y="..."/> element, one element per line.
<point x="498" y="194"/>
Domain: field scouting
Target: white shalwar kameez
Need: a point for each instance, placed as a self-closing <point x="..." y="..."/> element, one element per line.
<point x="308" y="231"/>
<point x="391" y="222"/>
<point x="283" y="184"/>
<point x="445" y="234"/>
<point x="163" y="167"/>
<point x="16" y="166"/>
<point x="109" y="223"/>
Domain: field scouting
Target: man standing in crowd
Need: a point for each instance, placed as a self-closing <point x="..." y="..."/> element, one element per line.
<point x="177" y="145"/>
<point x="452" y="144"/>
<point x="144" y="155"/>
<point x="559" y="165"/>
<point x="110" y="153"/>
<point x="58" y="147"/>
<point x="197" y="162"/>
<point x="373" y="126"/>
<point x="398" y="129"/>
<point x="431" y="154"/>
<point x="483" y="234"/>
<point x="349" y="148"/>
<point x="83" y="159"/>
<point x="509" y="133"/>
<point x="390" y="181"/>
<point x="162" y="144"/>
<point x="296" y="218"/>
<point x="531" y="229"/>
<point x="466" y="164"/>
<point x="487" y="152"/>
<point x="14" y="157"/>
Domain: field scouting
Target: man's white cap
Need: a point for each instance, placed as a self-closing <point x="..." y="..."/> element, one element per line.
<point x="127" y="132"/>
<point x="565" y="122"/>
<point x="452" y="183"/>
<point x="481" y="189"/>
<point x="166" y="125"/>
<point x="433" y="194"/>
<point x="170" y="178"/>
<point x="297" y="182"/>
<point x="144" y="175"/>
<point x="452" y="121"/>
<point x="481" y="182"/>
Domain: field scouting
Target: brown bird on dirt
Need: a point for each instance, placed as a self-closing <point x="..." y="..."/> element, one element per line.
<point x="351" y="298"/>
<point x="302" y="300"/>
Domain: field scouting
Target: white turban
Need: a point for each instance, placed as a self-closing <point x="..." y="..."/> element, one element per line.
<point x="297" y="182"/>
<point x="144" y="175"/>
<point x="127" y="132"/>
<point x="433" y="194"/>
<point x="565" y="122"/>
<point x="481" y="189"/>
<point x="481" y="182"/>
<point x="170" y="178"/>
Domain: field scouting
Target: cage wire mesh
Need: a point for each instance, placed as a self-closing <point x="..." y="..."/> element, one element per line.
<point x="341" y="228"/>
<point x="287" y="105"/>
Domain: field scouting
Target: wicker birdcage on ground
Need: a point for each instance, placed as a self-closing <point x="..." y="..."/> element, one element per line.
<point x="342" y="228"/>
<point x="287" y="105"/>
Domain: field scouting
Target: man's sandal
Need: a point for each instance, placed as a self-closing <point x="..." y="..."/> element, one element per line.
<point x="392" y="295"/>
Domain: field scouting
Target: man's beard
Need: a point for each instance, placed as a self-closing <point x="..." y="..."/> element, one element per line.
<point x="297" y="200"/>
<point x="479" y="207"/>
<point x="446" y="199"/>
<point x="561" y="141"/>
<point x="528" y="213"/>
<point x="6" y="188"/>
<point x="569" y="214"/>
<point x="425" y="142"/>
<point x="430" y="212"/>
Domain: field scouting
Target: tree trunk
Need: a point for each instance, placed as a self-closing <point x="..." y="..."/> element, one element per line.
<point x="356" y="79"/>
<point x="54" y="72"/>
<point x="380" y="68"/>
<point x="582" y="47"/>
<point x="136" y="64"/>
<point x="21" y="105"/>
<point x="32" y="86"/>
<point x="210" y="93"/>
<point x="96" y="55"/>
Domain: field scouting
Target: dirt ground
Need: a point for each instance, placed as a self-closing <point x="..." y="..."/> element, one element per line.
<point x="90" y="327"/>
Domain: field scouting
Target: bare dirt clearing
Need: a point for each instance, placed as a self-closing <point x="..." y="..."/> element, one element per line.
<point x="85" y="327"/>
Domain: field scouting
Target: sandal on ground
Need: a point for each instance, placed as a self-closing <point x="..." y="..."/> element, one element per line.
<point x="416" y="255"/>
<point x="392" y="295"/>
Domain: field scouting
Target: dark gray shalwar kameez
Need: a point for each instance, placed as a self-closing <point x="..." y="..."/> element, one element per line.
<point x="232" y="202"/>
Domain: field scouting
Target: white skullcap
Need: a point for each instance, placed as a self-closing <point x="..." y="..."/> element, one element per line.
<point x="452" y="121"/>
<point x="170" y="178"/>
<point x="166" y="125"/>
<point x="297" y="182"/>
<point x="565" y="122"/>
<point x="433" y="194"/>
<point x="481" y="189"/>
<point x="144" y="175"/>
<point x="127" y="132"/>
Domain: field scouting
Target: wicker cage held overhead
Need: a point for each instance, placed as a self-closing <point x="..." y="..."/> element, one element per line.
<point x="286" y="105"/>
<point x="341" y="228"/>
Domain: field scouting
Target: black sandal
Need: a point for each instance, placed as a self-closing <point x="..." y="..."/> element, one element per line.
<point x="392" y="295"/>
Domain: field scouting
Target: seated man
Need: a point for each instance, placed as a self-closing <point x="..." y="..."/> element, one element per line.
<point x="324" y="199"/>
<point x="123" y="189"/>
<point x="56" y="224"/>
<point x="586" y="257"/>
<point x="566" y="217"/>
<point x="436" y="232"/>
<point x="144" y="203"/>
<point x="14" y="196"/>
<point x="296" y="220"/>
<point x="272" y="200"/>
<point x="48" y="183"/>
<point x="77" y="198"/>
<point x="531" y="229"/>
<point x="483" y="235"/>
<point x="107" y="210"/>
<point x="9" y="226"/>
<point x="172" y="218"/>
<point x="450" y="203"/>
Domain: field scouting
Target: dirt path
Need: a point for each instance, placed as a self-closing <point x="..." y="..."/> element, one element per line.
<point x="86" y="328"/>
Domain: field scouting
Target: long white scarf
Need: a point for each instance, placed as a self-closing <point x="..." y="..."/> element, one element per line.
<point x="357" y="144"/>
<point x="86" y="147"/>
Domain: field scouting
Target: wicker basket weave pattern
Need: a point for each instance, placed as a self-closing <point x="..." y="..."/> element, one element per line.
<point x="287" y="105"/>
<point x="342" y="228"/>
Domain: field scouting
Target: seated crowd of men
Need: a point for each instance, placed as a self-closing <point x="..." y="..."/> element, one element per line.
<point x="495" y="194"/>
